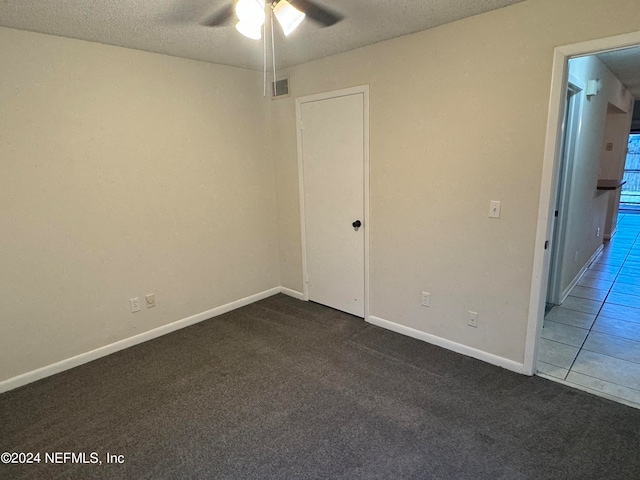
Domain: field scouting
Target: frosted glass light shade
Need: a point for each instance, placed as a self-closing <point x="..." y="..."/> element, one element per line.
<point x="288" y="16"/>
<point x="250" y="30"/>
<point x="251" y="17"/>
<point x="250" y="11"/>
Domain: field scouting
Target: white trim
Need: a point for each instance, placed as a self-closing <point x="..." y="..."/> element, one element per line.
<point x="344" y="92"/>
<point x="570" y="139"/>
<point x="292" y="293"/>
<point x="448" y="344"/>
<point x="364" y="90"/>
<point x="540" y="269"/>
<point x="367" y="205"/>
<point x="303" y="233"/>
<point x="565" y="293"/>
<point x="609" y="236"/>
<point x="100" y="352"/>
<point x="578" y="86"/>
<point x="541" y="259"/>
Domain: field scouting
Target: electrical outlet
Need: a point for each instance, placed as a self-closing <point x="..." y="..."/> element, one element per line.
<point x="426" y="299"/>
<point x="598" y="232"/>
<point x="135" y="305"/>
<point x="575" y="257"/>
<point x="151" y="300"/>
<point x="473" y="319"/>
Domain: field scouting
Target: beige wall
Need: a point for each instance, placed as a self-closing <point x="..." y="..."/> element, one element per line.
<point x="612" y="162"/>
<point x="458" y="117"/>
<point x="124" y="173"/>
<point x="616" y="132"/>
<point x="587" y="209"/>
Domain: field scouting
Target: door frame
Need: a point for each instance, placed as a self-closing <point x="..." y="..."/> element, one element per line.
<point x="571" y="129"/>
<point x="549" y="180"/>
<point x="364" y="90"/>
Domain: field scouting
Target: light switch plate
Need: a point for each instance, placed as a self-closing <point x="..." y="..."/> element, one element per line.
<point x="494" y="209"/>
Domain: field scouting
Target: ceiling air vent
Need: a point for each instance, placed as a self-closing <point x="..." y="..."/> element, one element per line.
<point x="280" y="88"/>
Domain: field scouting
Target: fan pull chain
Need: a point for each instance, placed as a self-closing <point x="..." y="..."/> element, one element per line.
<point x="264" y="56"/>
<point x="273" y="53"/>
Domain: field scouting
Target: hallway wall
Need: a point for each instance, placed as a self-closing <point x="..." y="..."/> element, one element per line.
<point x="587" y="210"/>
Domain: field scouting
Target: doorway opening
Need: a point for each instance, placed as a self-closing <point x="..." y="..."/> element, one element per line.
<point x="591" y="267"/>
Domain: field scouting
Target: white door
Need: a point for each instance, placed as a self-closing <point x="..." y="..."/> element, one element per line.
<point x="332" y="145"/>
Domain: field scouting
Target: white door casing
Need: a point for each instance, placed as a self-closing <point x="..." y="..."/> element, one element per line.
<point x="570" y="136"/>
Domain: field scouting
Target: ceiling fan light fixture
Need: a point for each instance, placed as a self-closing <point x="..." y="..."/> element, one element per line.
<point x="251" y="17"/>
<point x="250" y="12"/>
<point x="249" y="30"/>
<point x="288" y="16"/>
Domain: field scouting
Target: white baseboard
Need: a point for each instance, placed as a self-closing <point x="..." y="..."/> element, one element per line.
<point x="86" y="357"/>
<point x="449" y="345"/>
<point x="565" y="293"/>
<point x="292" y="293"/>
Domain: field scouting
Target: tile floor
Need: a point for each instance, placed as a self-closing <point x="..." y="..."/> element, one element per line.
<point x="592" y="340"/>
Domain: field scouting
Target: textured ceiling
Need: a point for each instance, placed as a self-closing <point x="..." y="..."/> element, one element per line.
<point x="172" y="26"/>
<point x="625" y="65"/>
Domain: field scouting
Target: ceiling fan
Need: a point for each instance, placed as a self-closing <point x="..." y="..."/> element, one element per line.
<point x="251" y="15"/>
<point x="255" y="16"/>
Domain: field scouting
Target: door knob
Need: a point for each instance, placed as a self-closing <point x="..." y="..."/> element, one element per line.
<point x="356" y="225"/>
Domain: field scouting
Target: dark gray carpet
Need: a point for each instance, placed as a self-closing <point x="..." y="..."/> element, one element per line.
<point x="283" y="389"/>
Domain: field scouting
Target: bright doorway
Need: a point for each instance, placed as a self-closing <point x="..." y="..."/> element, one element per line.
<point x="622" y="247"/>
<point x="630" y="198"/>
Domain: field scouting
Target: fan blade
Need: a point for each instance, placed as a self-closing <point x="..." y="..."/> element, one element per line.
<point x="220" y="17"/>
<point x="316" y="12"/>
